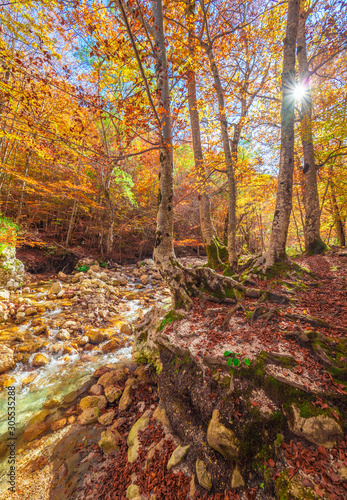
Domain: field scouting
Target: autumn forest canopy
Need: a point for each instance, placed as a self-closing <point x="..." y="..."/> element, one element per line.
<point x="239" y="105"/>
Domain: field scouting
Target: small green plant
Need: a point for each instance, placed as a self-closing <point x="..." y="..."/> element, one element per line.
<point x="103" y="263"/>
<point x="82" y="269"/>
<point x="233" y="360"/>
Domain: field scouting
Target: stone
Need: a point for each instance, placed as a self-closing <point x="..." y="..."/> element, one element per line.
<point x="126" y="399"/>
<point x="222" y="439"/>
<point x="59" y="424"/>
<point x="113" y="393"/>
<point x="321" y="430"/>
<point x="109" y="441"/>
<point x="99" y="402"/>
<point x="40" y="360"/>
<point x="97" y="336"/>
<point x="237" y="480"/>
<point x="133" y="492"/>
<point x="177" y="456"/>
<point x="20" y="317"/>
<point x="107" y="418"/>
<point x="342" y="472"/>
<point x="62" y="275"/>
<point x="144" y="279"/>
<point x="4" y="294"/>
<point x="88" y="416"/>
<point x="56" y="288"/>
<point x="160" y="415"/>
<point x="34" y="431"/>
<point x="96" y="390"/>
<point x="63" y="334"/>
<point x="82" y="340"/>
<point x="133" y="437"/>
<point x="125" y="329"/>
<point x="3" y="316"/>
<point x="204" y="477"/>
<point x="7" y="361"/>
<point x="145" y="374"/>
<point x="30" y="311"/>
<point x="111" y="377"/>
<point x="112" y="345"/>
<point x="39" y="330"/>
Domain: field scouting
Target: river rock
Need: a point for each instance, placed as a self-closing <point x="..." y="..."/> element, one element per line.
<point x="133" y="492"/>
<point x="88" y="416"/>
<point x="237" y="480"/>
<point x="133" y="437"/>
<point x="113" y="392"/>
<point x="63" y="334"/>
<point x="20" y="317"/>
<point x="126" y="399"/>
<point x="7" y="361"/>
<point x="109" y="441"/>
<point x="222" y="439"/>
<point x="112" y="345"/>
<point x="4" y="294"/>
<point x="107" y="418"/>
<point x="56" y="288"/>
<point x="62" y="275"/>
<point x="40" y="360"/>
<point x="30" y="311"/>
<point x="97" y="390"/>
<point x="204" y="477"/>
<point x="111" y="377"/>
<point x="144" y="279"/>
<point x="177" y="456"/>
<point x="321" y="430"/>
<point x="99" y="402"/>
<point x="125" y="329"/>
<point x="34" y="431"/>
<point x="3" y="316"/>
<point x="82" y="340"/>
<point x="97" y="336"/>
<point x="59" y="424"/>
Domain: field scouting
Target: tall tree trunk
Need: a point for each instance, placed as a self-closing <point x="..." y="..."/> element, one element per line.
<point x="228" y="158"/>
<point x="280" y="224"/>
<point x="313" y="241"/>
<point x="207" y="229"/>
<point x="340" y="232"/>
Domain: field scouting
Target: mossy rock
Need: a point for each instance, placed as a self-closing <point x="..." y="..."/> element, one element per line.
<point x="293" y="489"/>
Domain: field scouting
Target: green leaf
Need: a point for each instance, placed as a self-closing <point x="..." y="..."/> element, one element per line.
<point x="230" y="362"/>
<point x="262" y="486"/>
<point x="227" y="353"/>
<point x="236" y="362"/>
<point x="247" y="361"/>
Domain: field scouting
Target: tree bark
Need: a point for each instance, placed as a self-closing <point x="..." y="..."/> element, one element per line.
<point x="207" y="229"/>
<point x="340" y="232"/>
<point x="228" y="158"/>
<point x="313" y="241"/>
<point x="280" y="224"/>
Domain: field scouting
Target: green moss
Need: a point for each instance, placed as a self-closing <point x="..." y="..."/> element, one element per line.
<point x="214" y="250"/>
<point x="292" y="489"/>
<point x="169" y="318"/>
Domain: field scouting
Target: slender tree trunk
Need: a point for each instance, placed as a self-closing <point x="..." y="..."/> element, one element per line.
<point x="228" y="158"/>
<point x="280" y="224"/>
<point x="72" y="222"/>
<point x="207" y="229"/>
<point x="340" y="232"/>
<point x="313" y="241"/>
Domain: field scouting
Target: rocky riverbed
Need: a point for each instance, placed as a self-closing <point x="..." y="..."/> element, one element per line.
<point x="54" y="334"/>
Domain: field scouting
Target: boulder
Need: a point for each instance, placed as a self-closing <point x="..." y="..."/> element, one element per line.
<point x="321" y="430"/>
<point x="113" y="393"/>
<point x="126" y="399"/>
<point x="107" y="418"/>
<point x="99" y="402"/>
<point x="204" y="477"/>
<point x="111" y="377"/>
<point x="63" y="334"/>
<point x="88" y="416"/>
<point x="96" y="390"/>
<point x="34" y="431"/>
<point x="112" y="345"/>
<point x="237" y="480"/>
<point x="55" y="288"/>
<point x="40" y="360"/>
<point x="177" y="456"/>
<point x="133" y="437"/>
<point x="4" y="295"/>
<point x="97" y="336"/>
<point x="7" y="361"/>
<point x="109" y="441"/>
<point x="222" y="439"/>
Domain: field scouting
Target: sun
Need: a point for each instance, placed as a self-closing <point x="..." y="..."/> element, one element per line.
<point x="299" y="92"/>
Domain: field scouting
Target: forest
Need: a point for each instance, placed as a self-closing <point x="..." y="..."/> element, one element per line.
<point x="173" y="207"/>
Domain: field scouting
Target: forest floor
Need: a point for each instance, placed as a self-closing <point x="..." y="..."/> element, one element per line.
<point x="319" y="311"/>
<point x="287" y="331"/>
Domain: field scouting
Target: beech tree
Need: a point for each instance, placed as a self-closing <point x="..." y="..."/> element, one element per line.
<point x="277" y="248"/>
